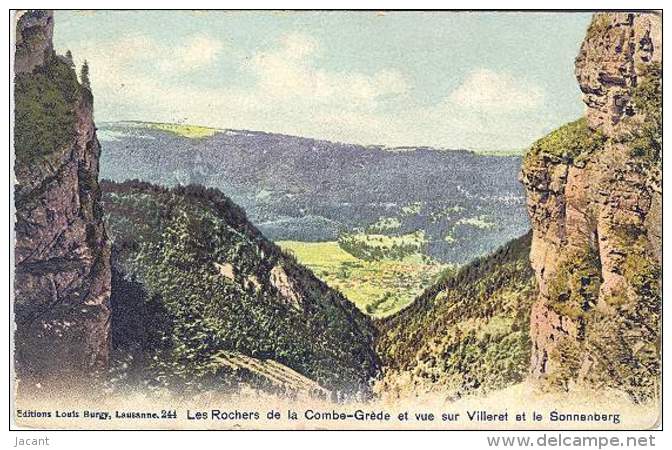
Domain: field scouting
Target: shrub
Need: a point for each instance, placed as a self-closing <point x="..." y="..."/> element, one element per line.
<point x="571" y="143"/>
<point x="646" y="140"/>
<point x="469" y="332"/>
<point x="574" y="289"/>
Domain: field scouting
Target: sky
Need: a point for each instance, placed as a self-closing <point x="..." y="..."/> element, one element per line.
<point x="482" y="81"/>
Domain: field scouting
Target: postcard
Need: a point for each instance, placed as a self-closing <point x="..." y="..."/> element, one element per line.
<point x="336" y="220"/>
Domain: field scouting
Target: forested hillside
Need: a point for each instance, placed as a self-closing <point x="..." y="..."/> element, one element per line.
<point x="467" y="333"/>
<point x="192" y="278"/>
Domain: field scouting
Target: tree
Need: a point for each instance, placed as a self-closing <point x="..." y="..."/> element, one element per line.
<point x="68" y="56"/>
<point x="84" y="75"/>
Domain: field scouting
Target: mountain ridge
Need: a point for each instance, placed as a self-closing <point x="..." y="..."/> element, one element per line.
<point x="279" y="178"/>
<point x="400" y="148"/>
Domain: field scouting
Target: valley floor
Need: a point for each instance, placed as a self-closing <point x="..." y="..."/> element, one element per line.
<point x="378" y="288"/>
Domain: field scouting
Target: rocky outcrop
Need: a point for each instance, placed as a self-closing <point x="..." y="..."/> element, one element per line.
<point x="594" y="199"/>
<point x="615" y="54"/>
<point x="270" y="376"/>
<point x="285" y="286"/>
<point x="62" y="268"/>
<point x="33" y="40"/>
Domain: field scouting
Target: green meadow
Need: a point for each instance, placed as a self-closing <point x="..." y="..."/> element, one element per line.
<point x="378" y="288"/>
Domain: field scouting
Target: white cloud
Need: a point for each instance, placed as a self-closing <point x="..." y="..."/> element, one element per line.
<point x="197" y="53"/>
<point x="490" y="91"/>
<point x="127" y="57"/>
<point x="289" y="71"/>
<point x="298" y="45"/>
<point x="289" y="90"/>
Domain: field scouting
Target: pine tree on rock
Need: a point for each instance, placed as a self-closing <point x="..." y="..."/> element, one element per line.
<point x="84" y="75"/>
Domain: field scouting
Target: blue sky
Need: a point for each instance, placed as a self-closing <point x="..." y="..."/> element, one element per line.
<point x="491" y="81"/>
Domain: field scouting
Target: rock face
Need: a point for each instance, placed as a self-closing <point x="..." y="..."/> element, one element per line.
<point x="615" y="53"/>
<point x="285" y="286"/>
<point x="62" y="268"/>
<point x="594" y="199"/>
<point x="33" y="40"/>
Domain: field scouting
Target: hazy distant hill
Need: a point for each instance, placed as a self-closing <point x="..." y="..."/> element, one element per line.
<point x="311" y="190"/>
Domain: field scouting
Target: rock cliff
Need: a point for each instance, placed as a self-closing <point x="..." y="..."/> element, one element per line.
<point x="62" y="267"/>
<point x="594" y="200"/>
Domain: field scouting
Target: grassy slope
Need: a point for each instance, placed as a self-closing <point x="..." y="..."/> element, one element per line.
<point x="468" y="332"/>
<point x="379" y="288"/>
<point x="189" y="131"/>
<point x="183" y="130"/>
<point x="172" y="301"/>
